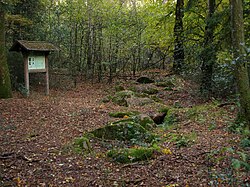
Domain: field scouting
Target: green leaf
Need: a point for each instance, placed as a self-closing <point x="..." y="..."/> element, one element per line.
<point x="236" y="164"/>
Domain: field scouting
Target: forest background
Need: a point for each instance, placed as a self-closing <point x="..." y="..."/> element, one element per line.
<point x="99" y="39"/>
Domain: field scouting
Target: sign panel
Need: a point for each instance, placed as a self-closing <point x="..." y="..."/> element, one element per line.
<point x="36" y="62"/>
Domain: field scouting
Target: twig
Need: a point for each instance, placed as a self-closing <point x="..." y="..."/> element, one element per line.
<point x="130" y="164"/>
<point x="225" y="104"/>
<point x="136" y="181"/>
<point x="6" y="155"/>
<point x="12" y="155"/>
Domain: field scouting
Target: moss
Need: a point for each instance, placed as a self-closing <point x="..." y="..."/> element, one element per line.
<point x="107" y="99"/>
<point x="171" y="117"/>
<point x="168" y="84"/>
<point x="131" y="155"/>
<point x="124" y="130"/>
<point x="82" y="145"/>
<point x="156" y="99"/>
<point x="145" y="121"/>
<point x="5" y="83"/>
<point x="122" y="114"/>
<point x="120" y="97"/>
<point x="183" y="140"/>
<point x="202" y="113"/>
<point x="164" y="109"/>
<point x="139" y="101"/>
<point x="146" y="90"/>
<point x="119" y="88"/>
<point x="150" y="91"/>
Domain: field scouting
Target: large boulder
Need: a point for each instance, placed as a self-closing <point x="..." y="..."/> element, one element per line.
<point x="146" y="89"/>
<point x="120" y="97"/>
<point x="124" y="130"/>
<point x="145" y="121"/>
<point x="138" y="101"/>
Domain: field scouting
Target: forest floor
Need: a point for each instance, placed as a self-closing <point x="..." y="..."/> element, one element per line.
<point x="36" y="134"/>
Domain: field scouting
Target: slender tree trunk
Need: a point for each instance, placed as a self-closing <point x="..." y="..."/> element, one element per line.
<point x="5" y="84"/>
<point x="178" y="35"/>
<point x="94" y="52"/>
<point x="208" y="55"/>
<point x="110" y="59"/>
<point x="99" y="53"/>
<point x="239" y="53"/>
<point x="81" y="64"/>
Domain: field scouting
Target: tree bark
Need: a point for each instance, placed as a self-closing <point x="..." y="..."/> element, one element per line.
<point x="239" y="53"/>
<point x="5" y="84"/>
<point x="209" y="53"/>
<point x="178" y="35"/>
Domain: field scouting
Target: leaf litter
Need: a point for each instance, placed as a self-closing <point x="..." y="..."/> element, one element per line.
<point x="35" y="133"/>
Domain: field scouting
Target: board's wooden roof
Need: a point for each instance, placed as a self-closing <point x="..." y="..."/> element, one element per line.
<point x="23" y="45"/>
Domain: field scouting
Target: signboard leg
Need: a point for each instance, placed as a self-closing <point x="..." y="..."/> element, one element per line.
<point x="26" y="76"/>
<point x="47" y="74"/>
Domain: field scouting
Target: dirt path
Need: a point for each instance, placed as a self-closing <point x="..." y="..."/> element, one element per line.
<point x="35" y="132"/>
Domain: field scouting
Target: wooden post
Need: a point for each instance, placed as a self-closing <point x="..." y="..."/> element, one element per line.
<point x="47" y="73"/>
<point x="26" y="74"/>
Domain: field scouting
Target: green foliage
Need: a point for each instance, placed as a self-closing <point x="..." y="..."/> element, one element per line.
<point x="164" y="109"/>
<point x="170" y="118"/>
<point x="156" y="99"/>
<point x="182" y="140"/>
<point x="22" y="89"/>
<point x="201" y="113"/>
<point x="131" y="155"/>
<point x="119" y="88"/>
<point x="5" y="82"/>
<point x="239" y="166"/>
<point x="107" y="99"/>
<point x="82" y="145"/>
<point x="245" y="143"/>
<point x="237" y="127"/>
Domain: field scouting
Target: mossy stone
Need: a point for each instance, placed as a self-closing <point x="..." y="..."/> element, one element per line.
<point x="139" y="101"/>
<point x="106" y="99"/>
<point x="145" y="121"/>
<point x="120" y="97"/>
<point x="122" y="114"/>
<point x="131" y="155"/>
<point x="82" y="145"/>
<point x="119" y="88"/>
<point x="124" y="130"/>
<point x="148" y="89"/>
<point x="167" y="83"/>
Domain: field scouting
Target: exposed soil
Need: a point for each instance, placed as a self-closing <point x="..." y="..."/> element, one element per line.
<point x="35" y="134"/>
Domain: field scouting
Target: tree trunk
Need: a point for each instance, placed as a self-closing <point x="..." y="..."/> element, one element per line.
<point x="178" y="35"/>
<point x="208" y="55"/>
<point x="239" y="53"/>
<point x="5" y="84"/>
